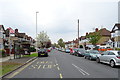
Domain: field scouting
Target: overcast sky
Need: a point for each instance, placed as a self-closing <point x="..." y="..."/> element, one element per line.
<point x="58" y="17"/>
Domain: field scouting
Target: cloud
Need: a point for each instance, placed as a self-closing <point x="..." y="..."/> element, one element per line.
<point x="58" y="17"/>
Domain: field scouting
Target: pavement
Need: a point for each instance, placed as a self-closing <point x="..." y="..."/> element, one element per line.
<point x="62" y="65"/>
<point x="3" y="59"/>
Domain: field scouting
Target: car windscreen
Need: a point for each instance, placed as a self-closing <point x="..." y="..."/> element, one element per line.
<point x="42" y="49"/>
<point x="80" y="50"/>
<point x="94" y="52"/>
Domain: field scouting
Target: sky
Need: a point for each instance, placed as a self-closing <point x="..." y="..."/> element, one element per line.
<point x="58" y="17"/>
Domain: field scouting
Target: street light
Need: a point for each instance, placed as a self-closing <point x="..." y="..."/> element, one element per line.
<point x="36" y="29"/>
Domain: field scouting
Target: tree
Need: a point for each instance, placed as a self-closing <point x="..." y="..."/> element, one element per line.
<point x="94" y="38"/>
<point x="61" y="43"/>
<point x="55" y="45"/>
<point x="43" y="40"/>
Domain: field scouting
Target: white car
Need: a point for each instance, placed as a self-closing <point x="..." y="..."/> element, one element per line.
<point x="111" y="57"/>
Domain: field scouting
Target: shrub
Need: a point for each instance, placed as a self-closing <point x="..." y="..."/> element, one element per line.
<point x="3" y="54"/>
<point x="117" y="49"/>
<point x="32" y="49"/>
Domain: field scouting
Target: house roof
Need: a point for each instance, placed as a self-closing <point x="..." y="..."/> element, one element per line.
<point x="116" y="27"/>
<point x="20" y="35"/>
<point x="102" y="32"/>
<point x="1" y="26"/>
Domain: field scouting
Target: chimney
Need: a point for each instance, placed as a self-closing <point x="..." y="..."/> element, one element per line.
<point x="86" y="33"/>
<point x="96" y="30"/>
<point x="16" y="30"/>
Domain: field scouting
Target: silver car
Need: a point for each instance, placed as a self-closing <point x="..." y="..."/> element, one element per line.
<point x="110" y="57"/>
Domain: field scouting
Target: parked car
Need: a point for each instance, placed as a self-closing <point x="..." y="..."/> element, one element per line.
<point x="71" y="51"/>
<point x="110" y="57"/>
<point x="59" y="49"/>
<point x="42" y="52"/>
<point x="67" y="50"/>
<point x="92" y="54"/>
<point x="49" y="49"/>
<point x="79" y="52"/>
<point x="63" y="50"/>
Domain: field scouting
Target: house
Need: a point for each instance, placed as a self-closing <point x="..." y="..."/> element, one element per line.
<point x="115" y="35"/>
<point x="105" y="35"/>
<point x="3" y="40"/>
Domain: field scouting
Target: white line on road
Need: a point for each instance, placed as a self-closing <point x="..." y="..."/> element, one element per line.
<point x="81" y="70"/>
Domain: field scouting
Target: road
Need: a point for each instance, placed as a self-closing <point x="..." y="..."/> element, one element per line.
<point x="63" y="65"/>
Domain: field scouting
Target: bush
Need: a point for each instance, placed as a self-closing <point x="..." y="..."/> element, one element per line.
<point x="3" y="54"/>
<point x="117" y="49"/>
<point x="32" y="49"/>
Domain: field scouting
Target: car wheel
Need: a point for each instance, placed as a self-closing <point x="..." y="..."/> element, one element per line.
<point x="112" y="63"/>
<point x="77" y="55"/>
<point x="90" y="58"/>
<point x="98" y="60"/>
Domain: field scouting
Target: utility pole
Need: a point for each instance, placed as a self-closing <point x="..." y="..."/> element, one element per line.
<point x="36" y="30"/>
<point x="78" y="33"/>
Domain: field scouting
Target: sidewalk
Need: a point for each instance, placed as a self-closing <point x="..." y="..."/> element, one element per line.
<point x="6" y="58"/>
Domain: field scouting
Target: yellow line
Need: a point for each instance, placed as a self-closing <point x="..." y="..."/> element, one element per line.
<point x="37" y="62"/>
<point x="46" y="61"/>
<point x="33" y="66"/>
<point x="21" y="69"/>
<point x="58" y="68"/>
<point x="39" y="66"/>
<point x="61" y="75"/>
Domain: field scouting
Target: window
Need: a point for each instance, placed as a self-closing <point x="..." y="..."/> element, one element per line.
<point x="111" y="53"/>
<point x="105" y="53"/>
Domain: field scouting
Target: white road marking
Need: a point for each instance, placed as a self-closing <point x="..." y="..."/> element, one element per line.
<point x="81" y="70"/>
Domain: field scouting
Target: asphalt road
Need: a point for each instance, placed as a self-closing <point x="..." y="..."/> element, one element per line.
<point x="63" y="65"/>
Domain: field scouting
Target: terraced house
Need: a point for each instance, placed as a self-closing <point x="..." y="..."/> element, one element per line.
<point x="2" y="37"/>
<point x="116" y="36"/>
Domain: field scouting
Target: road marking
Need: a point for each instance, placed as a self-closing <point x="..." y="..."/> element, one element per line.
<point x="81" y="70"/>
<point x="58" y="68"/>
<point x="39" y="66"/>
<point x="37" y="62"/>
<point x="61" y="75"/>
<point x="33" y="66"/>
<point x="43" y="66"/>
<point x="21" y="69"/>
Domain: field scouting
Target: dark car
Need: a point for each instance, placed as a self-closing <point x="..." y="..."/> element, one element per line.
<point x="79" y="52"/>
<point x="42" y="52"/>
<point x="92" y="54"/>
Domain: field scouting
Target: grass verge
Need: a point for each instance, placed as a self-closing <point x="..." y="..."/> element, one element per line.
<point x="8" y="66"/>
<point x="32" y="55"/>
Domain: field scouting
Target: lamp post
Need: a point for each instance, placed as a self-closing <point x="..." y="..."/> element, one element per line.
<point x="36" y="29"/>
<point x="78" y="33"/>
